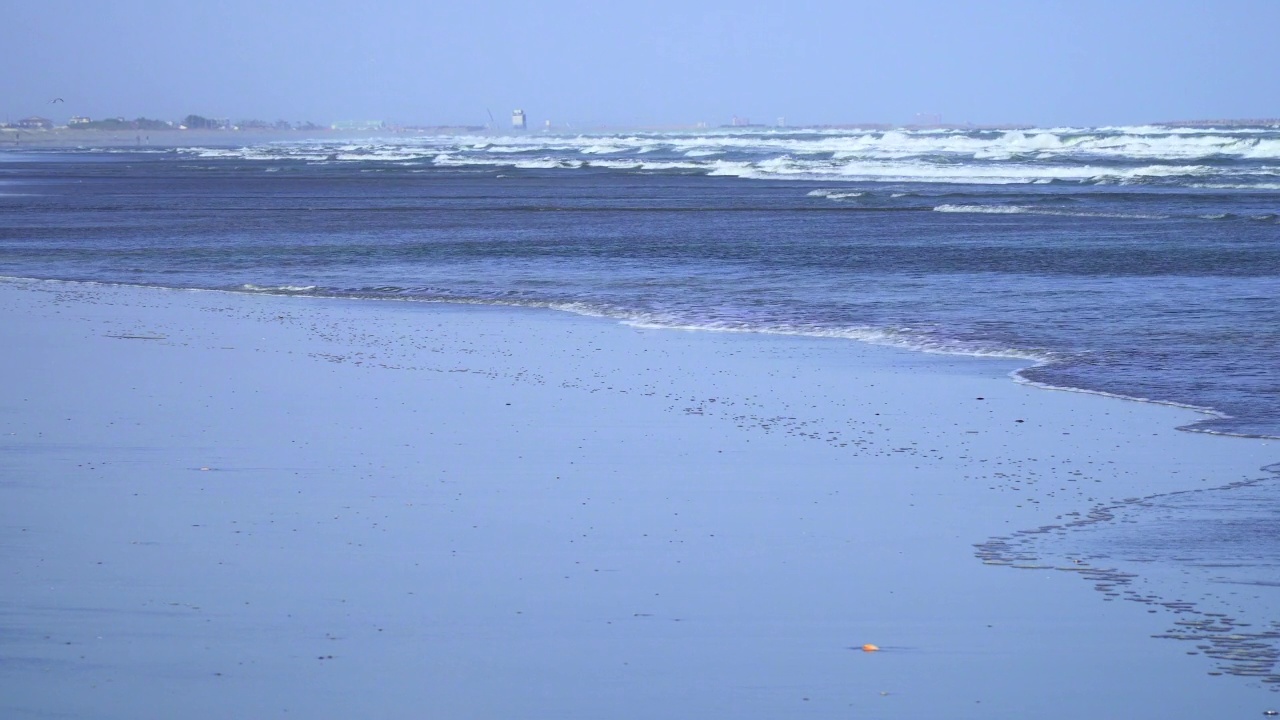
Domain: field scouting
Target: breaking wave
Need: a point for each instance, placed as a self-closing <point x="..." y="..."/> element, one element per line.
<point x="1231" y="158"/>
<point x="1021" y="210"/>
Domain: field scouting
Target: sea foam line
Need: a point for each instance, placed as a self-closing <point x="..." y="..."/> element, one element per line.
<point x="1023" y="210"/>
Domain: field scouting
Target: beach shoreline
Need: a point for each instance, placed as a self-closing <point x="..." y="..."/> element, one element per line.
<point x="218" y="503"/>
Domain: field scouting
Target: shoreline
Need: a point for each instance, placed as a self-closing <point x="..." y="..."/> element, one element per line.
<point x="681" y="523"/>
<point x="1014" y="375"/>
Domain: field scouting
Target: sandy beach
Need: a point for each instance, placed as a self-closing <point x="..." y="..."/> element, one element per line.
<point x="223" y="505"/>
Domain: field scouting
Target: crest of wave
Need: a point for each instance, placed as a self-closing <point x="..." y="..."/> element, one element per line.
<point x="1135" y="143"/>
<point x="783" y="150"/>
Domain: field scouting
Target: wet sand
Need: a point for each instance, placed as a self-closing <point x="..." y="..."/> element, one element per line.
<point x="217" y="505"/>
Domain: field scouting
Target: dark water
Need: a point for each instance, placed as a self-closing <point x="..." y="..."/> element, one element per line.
<point x="1135" y="261"/>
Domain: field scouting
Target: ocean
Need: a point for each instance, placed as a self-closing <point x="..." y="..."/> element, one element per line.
<point x="1142" y="262"/>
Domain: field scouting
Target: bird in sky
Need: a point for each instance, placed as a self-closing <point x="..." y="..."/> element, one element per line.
<point x="56" y="100"/>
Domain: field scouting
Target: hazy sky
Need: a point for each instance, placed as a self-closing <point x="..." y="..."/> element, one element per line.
<point x="425" y="61"/>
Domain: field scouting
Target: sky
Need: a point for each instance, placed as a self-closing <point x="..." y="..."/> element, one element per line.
<point x="1043" y="62"/>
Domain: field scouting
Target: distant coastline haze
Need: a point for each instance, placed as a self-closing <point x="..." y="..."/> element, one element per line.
<point x="576" y="64"/>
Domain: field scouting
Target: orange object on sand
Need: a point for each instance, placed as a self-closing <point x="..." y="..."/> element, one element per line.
<point x="870" y="648"/>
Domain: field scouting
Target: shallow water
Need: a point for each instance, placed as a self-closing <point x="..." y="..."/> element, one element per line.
<point x="1207" y="559"/>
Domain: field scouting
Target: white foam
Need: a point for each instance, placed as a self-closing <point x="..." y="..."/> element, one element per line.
<point x="985" y="209"/>
<point x="834" y="194"/>
<point x="1123" y="155"/>
<point x="278" y="289"/>
<point x="1236" y="186"/>
<point x="549" y="164"/>
<point x="644" y="165"/>
<point x="899" y="338"/>
<point x="1023" y="210"/>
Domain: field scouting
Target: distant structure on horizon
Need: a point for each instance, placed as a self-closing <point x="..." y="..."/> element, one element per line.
<point x="35" y="122"/>
<point x="518" y="120"/>
<point x="742" y="122"/>
<point x="358" y="125"/>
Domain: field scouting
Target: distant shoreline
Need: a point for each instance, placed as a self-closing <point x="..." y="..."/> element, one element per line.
<point x="63" y="137"/>
<point x="11" y="138"/>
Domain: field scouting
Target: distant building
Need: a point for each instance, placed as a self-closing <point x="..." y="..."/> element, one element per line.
<point x="79" y="120"/>
<point x="35" y="123"/>
<point x="518" y="120"/>
<point x="362" y="125"/>
<point x="199" y="122"/>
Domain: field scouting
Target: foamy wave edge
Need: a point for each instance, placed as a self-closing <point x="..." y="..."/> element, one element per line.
<point x="1023" y="210"/>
